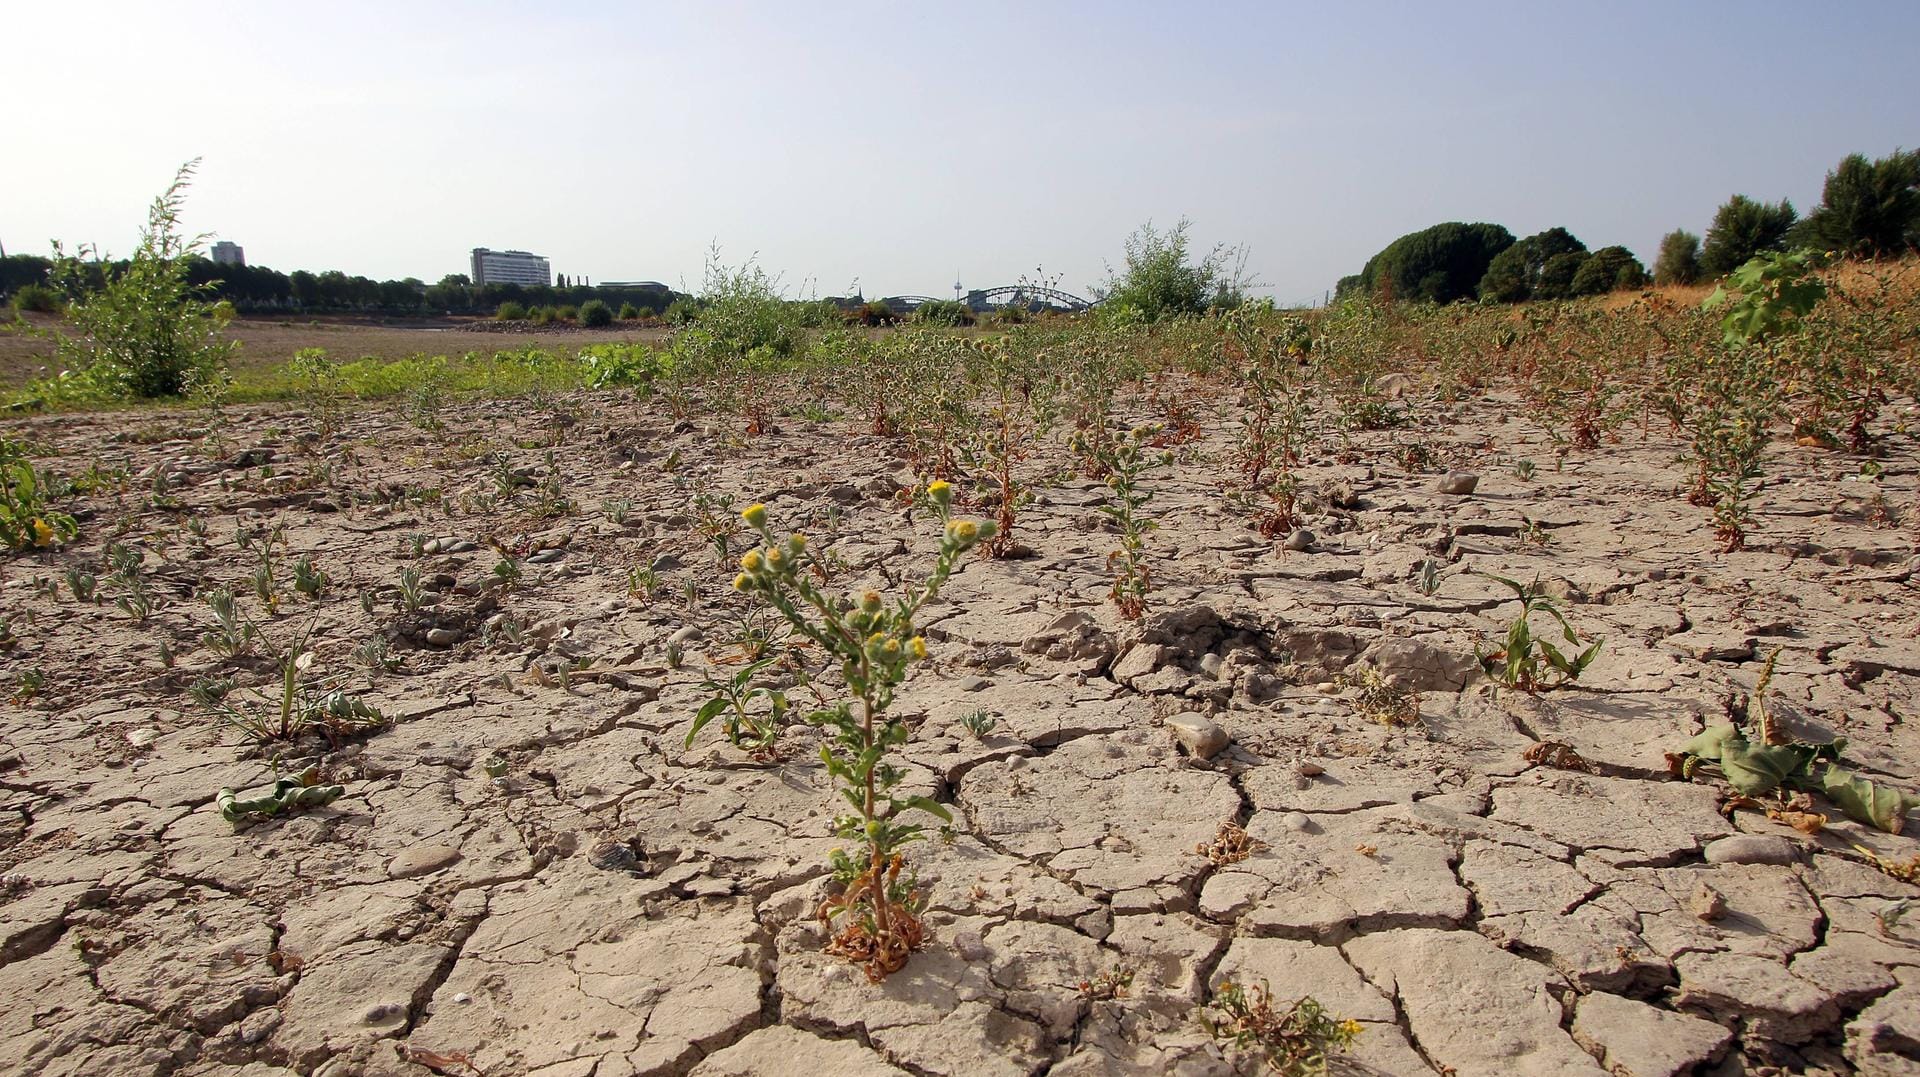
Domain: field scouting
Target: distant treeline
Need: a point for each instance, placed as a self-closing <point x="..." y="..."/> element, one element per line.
<point x="1868" y="209"/>
<point x="257" y="289"/>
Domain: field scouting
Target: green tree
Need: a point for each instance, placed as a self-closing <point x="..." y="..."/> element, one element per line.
<point x="1440" y="264"/>
<point x="1515" y="273"/>
<point x="1609" y="269"/>
<point x="1679" y="261"/>
<point x="510" y="311"/>
<point x="147" y="332"/>
<point x="1159" y="282"/>
<point x="1867" y="208"/>
<point x="1557" y="274"/>
<point x="628" y="312"/>
<point x="1743" y="228"/>
<point x="595" y="315"/>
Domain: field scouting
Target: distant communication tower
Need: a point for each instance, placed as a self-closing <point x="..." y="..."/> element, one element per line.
<point x="959" y="290"/>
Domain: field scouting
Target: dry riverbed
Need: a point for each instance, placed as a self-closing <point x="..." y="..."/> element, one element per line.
<point x="527" y="872"/>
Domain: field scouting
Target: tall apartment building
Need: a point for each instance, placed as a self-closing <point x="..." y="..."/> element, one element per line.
<point x="509" y="267"/>
<point x="227" y="253"/>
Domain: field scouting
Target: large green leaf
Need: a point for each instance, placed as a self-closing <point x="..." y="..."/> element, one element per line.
<point x="1864" y="802"/>
<point x="1756" y="770"/>
<point x="713" y="707"/>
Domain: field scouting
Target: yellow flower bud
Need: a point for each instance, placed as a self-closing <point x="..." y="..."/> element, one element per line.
<point x="776" y="559"/>
<point x="917" y="646"/>
<point x="965" y="532"/>
<point x="870" y="602"/>
<point x="796" y="544"/>
<point x="42" y="534"/>
<point x="755" y="515"/>
<point x="941" y="491"/>
<point x="752" y="562"/>
<point x="740" y="582"/>
<point x="891" y="648"/>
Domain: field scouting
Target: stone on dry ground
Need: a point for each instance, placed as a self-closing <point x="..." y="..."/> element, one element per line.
<point x="613" y="902"/>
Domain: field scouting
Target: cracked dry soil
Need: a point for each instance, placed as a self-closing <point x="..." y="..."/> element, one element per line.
<point x="613" y="904"/>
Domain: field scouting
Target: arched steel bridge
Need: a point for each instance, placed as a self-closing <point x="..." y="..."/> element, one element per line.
<point x="987" y="298"/>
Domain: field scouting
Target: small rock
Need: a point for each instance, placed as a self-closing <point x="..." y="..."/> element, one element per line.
<point x="143" y="737"/>
<point x="687" y="635"/>
<point x="422" y="860"/>
<point x="1300" y="541"/>
<point x="1203" y="737"/>
<point x="1210" y="664"/>
<point x="973" y="684"/>
<point x="442" y="637"/>
<point x="970" y="946"/>
<point x="1752" y="849"/>
<point x="845" y="493"/>
<point x="545" y="557"/>
<point x="666" y="562"/>
<point x="1307" y="768"/>
<point x="1707" y="903"/>
<point x="1296" y="821"/>
<point x="1459" y="482"/>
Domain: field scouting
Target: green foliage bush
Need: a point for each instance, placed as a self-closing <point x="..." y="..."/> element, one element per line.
<point x="628" y="312"/>
<point x="37" y="298"/>
<point x="948" y="312"/>
<point x="1609" y="269"/>
<point x="568" y="313"/>
<point x="1159" y="282"/>
<point x="1515" y="273"/>
<point x="1679" y="261"/>
<point x="595" y="315"/>
<point x="510" y="312"/>
<point x="146" y="332"/>
<point x="1867" y="208"/>
<point x="1556" y="275"/>
<point x="1441" y="264"/>
<point x="1741" y="229"/>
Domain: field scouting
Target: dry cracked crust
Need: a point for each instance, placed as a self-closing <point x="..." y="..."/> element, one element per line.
<point x="617" y="905"/>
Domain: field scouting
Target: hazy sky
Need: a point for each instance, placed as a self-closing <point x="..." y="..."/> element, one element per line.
<point x="894" y="145"/>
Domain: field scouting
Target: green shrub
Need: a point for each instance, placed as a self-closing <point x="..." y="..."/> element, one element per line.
<point x="1679" y="261"/>
<point x="595" y="314"/>
<point x="1867" y="208"/>
<point x="1741" y="229"/>
<point x="950" y="312"/>
<point x="1556" y="275"/>
<point x="1515" y="273"/>
<point x="1609" y="269"/>
<point x="1435" y="265"/>
<point x="37" y="298"/>
<point x="146" y="332"/>
<point x="510" y="312"/>
<point x="628" y="312"/>
<point x="568" y="313"/>
<point x="543" y="315"/>
<point x="682" y="311"/>
<point x="1159" y="282"/>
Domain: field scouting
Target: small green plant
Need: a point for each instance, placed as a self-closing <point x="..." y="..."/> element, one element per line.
<point x="874" y="916"/>
<point x="232" y="634"/>
<point x="298" y="706"/>
<point x="1128" y="463"/>
<point x="978" y="723"/>
<point x="375" y="654"/>
<point x="643" y="583"/>
<point x="1758" y="760"/>
<point x="1523" y="470"/>
<point x="83" y="584"/>
<point x="617" y="510"/>
<point x="508" y="573"/>
<point x="308" y="579"/>
<point x="1527" y="661"/>
<point x="732" y="701"/>
<point x="1109" y="986"/>
<point x="412" y="592"/>
<point x="1428" y="578"/>
<point x="26" y="519"/>
<point x="1293" y="1042"/>
<point x="28" y="683"/>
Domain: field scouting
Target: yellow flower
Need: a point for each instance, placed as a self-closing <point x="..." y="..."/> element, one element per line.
<point x="755" y="515"/>
<point x="776" y="559"/>
<point x="796" y="544"/>
<point x="1349" y="1028"/>
<point x="870" y="602"/>
<point x="917" y="646"/>
<point x="891" y="648"/>
<point x="753" y="562"/>
<point x="740" y="582"/>
<point x="42" y="534"/>
<point x="940" y="490"/>
<point x="965" y="532"/>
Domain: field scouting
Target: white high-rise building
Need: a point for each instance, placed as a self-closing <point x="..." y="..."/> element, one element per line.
<point x="509" y="267"/>
<point x="228" y="253"/>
